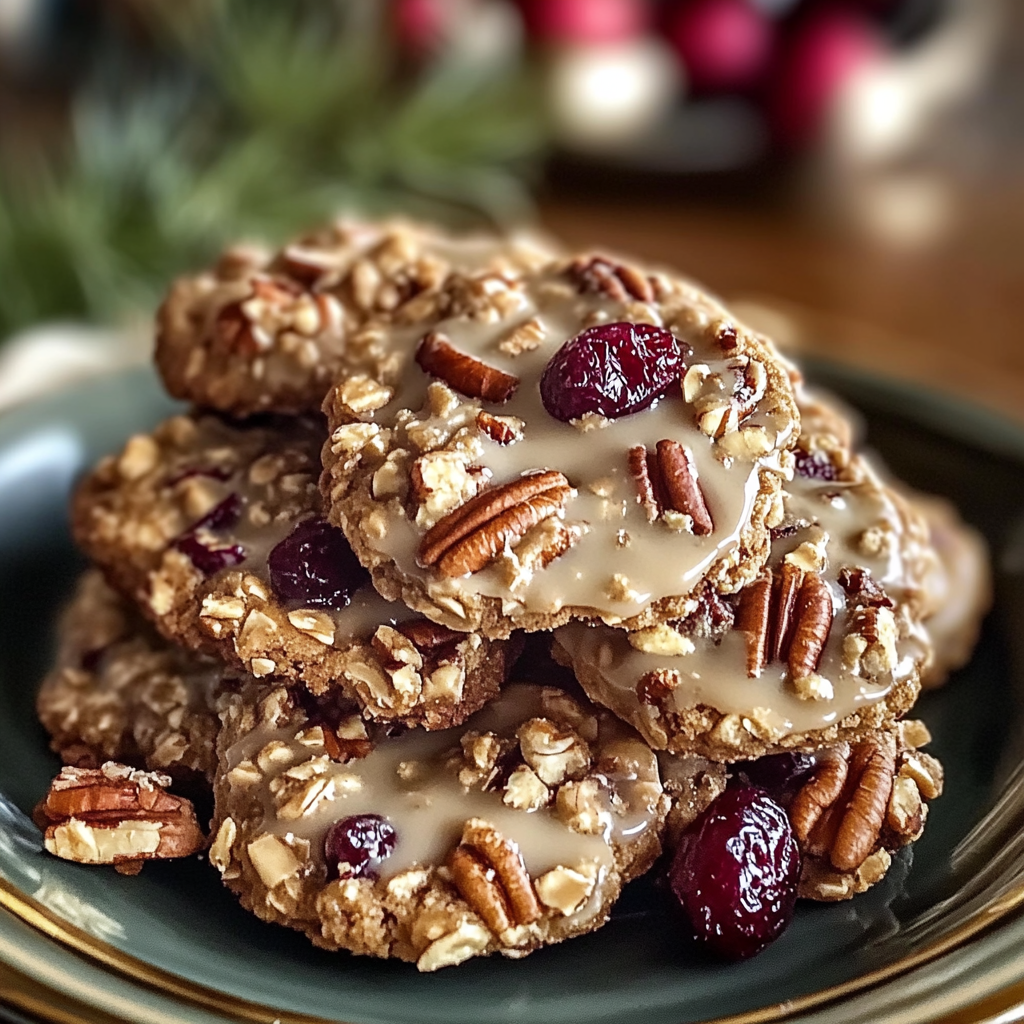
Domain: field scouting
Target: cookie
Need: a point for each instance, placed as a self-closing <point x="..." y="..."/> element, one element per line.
<point x="120" y="692"/>
<point x="959" y="587"/>
<point x="213" y="529"/>
<point x="591" y="440"/>
<point x="514" y="832"/>
<point x="270" y="332"/>
<point x="851" y="808"/>
<point x="825" y="645"/>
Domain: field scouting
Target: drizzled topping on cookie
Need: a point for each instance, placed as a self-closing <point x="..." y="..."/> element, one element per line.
<point x="826" y="630"/>
<point x="531" y="811"/>
<point x="570" y="376"/>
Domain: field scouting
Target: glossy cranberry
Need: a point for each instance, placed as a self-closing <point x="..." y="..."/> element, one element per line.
<point x="208" y="557"/>
<point x="315" y="565"/>
<point x="780" y="775"/>
<point x="816" y="465"/>
<point x="735" y="873"/>
<point x="613" y="370"/>
<point x="355" y="847"/>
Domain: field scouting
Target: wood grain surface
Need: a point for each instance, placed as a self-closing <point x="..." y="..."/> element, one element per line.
<point x="947" y="312"/>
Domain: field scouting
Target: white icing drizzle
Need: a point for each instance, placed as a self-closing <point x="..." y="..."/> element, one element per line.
<point x="429" y="807"/>
<point x="623" y="563"/>
<point x="716" y="676"/>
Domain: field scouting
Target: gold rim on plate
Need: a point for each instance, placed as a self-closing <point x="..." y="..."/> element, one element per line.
<point x="45" y="921"/>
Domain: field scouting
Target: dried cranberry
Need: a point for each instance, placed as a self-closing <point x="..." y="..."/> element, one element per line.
<point x="735" y="873"/>
<point x="355" y="847"/>
<point x="209" y="558"/>
<point x="90" y="660"/>
<point x="315" y="565"/>
<point x="817" y="465"/>
<point x="779" y="774"/>
<point x="612" y="369"/>
<point x="222" y="516"/>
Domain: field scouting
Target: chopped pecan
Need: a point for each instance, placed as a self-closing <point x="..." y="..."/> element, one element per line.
<point x="500" y="429"/>
<point x="239" y="330"/>
<point x="667" y="479"/>
<point x="427" y="635"/>
<point x="656" y="685"/>
<point x="754" y="619"/>
<point x="489" y="872"/>
<point x="474" y="535"/>
<point x="726" y="337"/>
<point x="617" y="281"/>
<point x="348" y="741"/>
<point x="711" y="619"/>
<point x="751" y="384"/>
<point x="116" y="815"/>
<point x="813" y="623"/>
<point x="862" y="588"/>
<point x="461" y="371"/>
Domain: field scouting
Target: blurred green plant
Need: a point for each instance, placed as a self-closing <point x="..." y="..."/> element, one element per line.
<point x="252" y="118"/>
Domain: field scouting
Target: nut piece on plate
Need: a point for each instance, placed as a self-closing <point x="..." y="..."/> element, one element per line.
<point x="116" y="815"/>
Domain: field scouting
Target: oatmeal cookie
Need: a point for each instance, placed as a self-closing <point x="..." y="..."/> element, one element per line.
<point x="120" y="692"/>
<point x="514" y="832"/>
<point x="213" y="529"/>
<point x="851" y="806"/>
<point x="589" y="440"/>
<point x="270" y="332"/>
<point x="959" y="587"/>
<point x="826" y="644"/>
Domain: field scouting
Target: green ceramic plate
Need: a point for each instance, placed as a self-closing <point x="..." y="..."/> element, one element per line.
<point x="171" y="945"/>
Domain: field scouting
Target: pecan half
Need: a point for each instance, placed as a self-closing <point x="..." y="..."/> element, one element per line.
<point x="116" y="815"/>
<point x="813" y="623"/>
<point x="667" y="479"/>
<point x="500" y="429"/>
<point x="787" y="588"/>
<point x="847" y="828"/>
<point x="437" y="356"/>
<point x="473" y="535"/>
<point x="754" y="618"/>
<point x="477" y="884"/>
<point x="504" y="856"/>
<point x="819" y="792"/>
<point x="616" y="280"/>
<point x="488" y="870"/>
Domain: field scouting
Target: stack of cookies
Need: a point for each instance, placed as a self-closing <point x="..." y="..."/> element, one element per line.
<point x="406" y="453"/>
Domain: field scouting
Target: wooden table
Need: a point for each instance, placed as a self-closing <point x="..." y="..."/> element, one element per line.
<point x="949" y="313"/>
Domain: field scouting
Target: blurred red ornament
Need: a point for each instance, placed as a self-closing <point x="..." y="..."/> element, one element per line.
<point x="584" y="22"/>
<point x="820" y="57"/>
<point x="420" y="25"/>
<point x="725" y="45"/>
